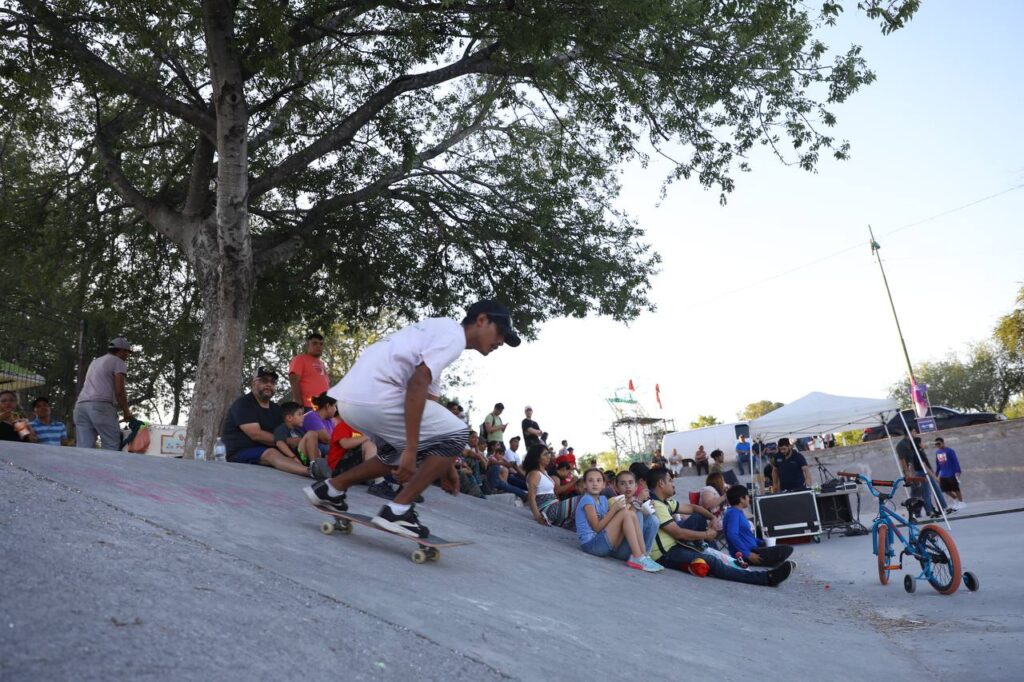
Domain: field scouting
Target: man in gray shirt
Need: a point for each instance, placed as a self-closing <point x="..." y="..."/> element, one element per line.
<point x="95" y="412"/>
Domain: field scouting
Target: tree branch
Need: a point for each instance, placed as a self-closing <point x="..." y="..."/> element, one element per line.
<point x="346" y="130"/>
<point x="167" y="222"/>
<point x="285" y="245"/>
<point x="61" y="37"/>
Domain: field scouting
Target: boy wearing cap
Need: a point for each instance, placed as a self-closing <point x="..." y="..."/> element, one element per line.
<point x="95" y="413"/>
<point x="248" y="432"/>
<point x="390" y="395"/>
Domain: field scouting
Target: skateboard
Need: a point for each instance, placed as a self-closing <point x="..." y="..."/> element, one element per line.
<point x="429" y="547"/>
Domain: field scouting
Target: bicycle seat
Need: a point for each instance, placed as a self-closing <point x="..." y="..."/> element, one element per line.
<point x="914" y="506"/>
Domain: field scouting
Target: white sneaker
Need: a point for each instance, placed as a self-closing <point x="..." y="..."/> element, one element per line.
<point x="961" y="505"/>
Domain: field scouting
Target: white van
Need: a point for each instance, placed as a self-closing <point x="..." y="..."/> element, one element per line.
<point x="719" y="437"/>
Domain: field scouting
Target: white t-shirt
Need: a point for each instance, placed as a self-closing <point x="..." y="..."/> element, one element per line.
<point x="513" y="456"/>
<point x="383" y="370"/>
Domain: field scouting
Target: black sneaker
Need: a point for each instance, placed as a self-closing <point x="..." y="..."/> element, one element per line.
<point x="407" y="524"/>
<point x="382" y="489"/>
<point x="319" y="497"/>
<point x="949" y="511"/>
<point x="778" y="575"/>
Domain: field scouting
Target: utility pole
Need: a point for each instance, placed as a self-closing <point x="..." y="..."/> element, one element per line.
<point x="875" y="247"/>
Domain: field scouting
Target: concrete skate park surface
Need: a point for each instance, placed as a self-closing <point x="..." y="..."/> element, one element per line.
<point x="118" y="566"/>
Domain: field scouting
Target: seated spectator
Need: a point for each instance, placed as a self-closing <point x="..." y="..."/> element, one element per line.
<point x="675" y="463"/>
<point x="48" y="430"/>
<point x="638" y="500"/>
<point x="249" y="427"/>
<point x="740" y="537"/>
<point x="717" y="462"/>
<point x="700" y="461"/>
<point x="569" y="457"/>
<point x="640" y="471"/>
<point x="349" y="448"/>
<point x="14" y="427"/>
<point x="541" y="492"/>
<point x="609" y="484"/>
<point x="513" y="460"/>
<point x="564" y="451"/>
<point x="712" y="498"/>
<point x="499" y="478"/>
<point x="679" y="548"/>
<point x="293" y="440"/>
<point x="612" y="530"/>
<point x="565" y="481"/>
<point x="658" y="460"/>
<point x="320" y="420"/>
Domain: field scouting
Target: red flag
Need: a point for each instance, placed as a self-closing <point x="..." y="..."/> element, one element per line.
<point x="657" y="395"/>
<point x="631" y="385"/>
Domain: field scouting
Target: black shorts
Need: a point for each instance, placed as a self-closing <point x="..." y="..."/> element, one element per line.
<point x="949" y="485"/>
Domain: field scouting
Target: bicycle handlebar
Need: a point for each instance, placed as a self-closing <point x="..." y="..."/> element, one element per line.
<point x="872" y="482"/>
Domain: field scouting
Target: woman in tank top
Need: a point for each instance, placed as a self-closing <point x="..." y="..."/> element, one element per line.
<point x="542" y="491"/>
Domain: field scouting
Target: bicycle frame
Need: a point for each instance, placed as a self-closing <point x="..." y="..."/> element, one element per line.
<point x="889" y="518"/>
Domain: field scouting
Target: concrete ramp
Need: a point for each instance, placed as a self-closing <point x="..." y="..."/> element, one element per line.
<point x="125" y="566"/>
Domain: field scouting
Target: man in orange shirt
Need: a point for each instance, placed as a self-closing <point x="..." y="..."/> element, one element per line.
<point x="307" y="372"/>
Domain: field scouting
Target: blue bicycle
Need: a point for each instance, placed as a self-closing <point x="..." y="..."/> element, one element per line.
<point x="931" y="545"/>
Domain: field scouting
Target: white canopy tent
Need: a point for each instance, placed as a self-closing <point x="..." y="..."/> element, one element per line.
<point x="825" y="413"/>
<point x="822" y="413"/>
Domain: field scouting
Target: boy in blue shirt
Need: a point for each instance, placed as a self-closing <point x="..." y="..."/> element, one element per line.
<point x="741" y="539"/>
<point x="947" y="468"/>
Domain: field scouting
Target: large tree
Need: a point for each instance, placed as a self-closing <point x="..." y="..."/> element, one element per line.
<point x="402" y="155"/>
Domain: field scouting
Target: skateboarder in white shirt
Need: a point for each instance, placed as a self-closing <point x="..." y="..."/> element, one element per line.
<point x="390" y="395"/>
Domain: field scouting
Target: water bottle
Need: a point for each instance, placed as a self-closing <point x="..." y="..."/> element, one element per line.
<point x="220" y="451"/>
<point x="200" y="453"/>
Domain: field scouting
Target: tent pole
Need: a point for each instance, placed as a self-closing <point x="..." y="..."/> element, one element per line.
<point x="927" y="480"/>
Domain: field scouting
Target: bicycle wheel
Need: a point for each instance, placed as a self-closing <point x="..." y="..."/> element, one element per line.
<point x="941" y="561"/>
<point x="884" y="553"/>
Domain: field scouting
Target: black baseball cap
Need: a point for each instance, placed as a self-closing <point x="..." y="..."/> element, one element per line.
<point x="498" y="314"/>
<point x="266" y="372"/>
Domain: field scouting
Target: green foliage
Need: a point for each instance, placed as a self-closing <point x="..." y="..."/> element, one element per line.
<point x="1015" y="410"/>
<point x="758" y="409"/>
<point x="848" y="438"/>
<point x="392" y="157"/>
<point x="704" y="420"/>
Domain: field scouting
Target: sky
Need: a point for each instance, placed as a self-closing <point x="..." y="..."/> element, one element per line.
<point x="752" y="301"/>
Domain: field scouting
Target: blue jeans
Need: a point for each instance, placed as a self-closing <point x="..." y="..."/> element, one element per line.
<point x="743" y="463"/>
<point x="919" y="490"/>
<point x="499" y="486"/>
<point x="680" y="555"/>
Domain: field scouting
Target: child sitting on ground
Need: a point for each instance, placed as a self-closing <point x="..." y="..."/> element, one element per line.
<point x="609" y="484"/>
<point x="607" y="529"/>
<point x="639" y="501"/>
<point x="565" y="481"/>
<point x="740" y="537"/>
<point x="290" y="438"/>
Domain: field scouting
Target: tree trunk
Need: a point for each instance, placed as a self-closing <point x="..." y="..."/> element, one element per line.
<point x="222" y="247"/>
<point x="227" y="302"/>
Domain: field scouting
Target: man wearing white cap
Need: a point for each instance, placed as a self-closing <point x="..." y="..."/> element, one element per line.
<point x="103" y="388"/>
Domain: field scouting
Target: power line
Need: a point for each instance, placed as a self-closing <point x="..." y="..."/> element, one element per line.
<point x="853" y="247"/>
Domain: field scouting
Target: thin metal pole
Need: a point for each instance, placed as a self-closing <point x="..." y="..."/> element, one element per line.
<point x="906" y="356"/>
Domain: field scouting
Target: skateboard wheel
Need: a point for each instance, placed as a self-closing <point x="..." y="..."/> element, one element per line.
<point x="434" y="554"/>
<point x="419" y="556"/>
<point x="344" y="528"/>
<point x="326" y="527"/>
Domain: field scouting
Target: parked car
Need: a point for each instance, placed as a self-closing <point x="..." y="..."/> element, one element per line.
<point x="945" y="418"/>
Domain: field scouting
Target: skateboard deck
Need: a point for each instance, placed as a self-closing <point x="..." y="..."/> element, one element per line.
<point x="429" y="547"/>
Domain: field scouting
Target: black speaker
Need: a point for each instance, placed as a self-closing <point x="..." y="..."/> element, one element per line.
<point x="786" y="515"/>
<point x="834" y="510"/>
